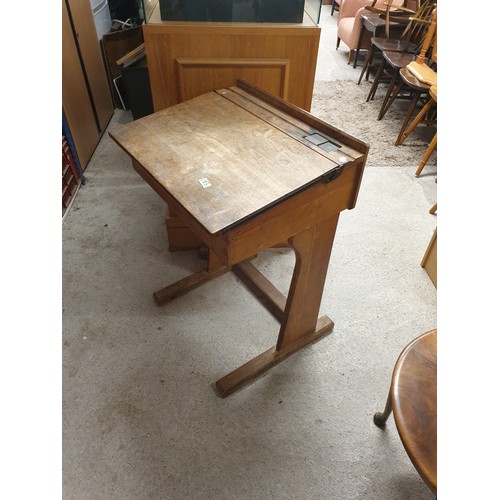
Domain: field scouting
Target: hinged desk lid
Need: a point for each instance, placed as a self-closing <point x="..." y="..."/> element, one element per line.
<point x="225" y="157"/>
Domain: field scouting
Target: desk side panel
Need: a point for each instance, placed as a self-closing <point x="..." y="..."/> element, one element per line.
<point x="306" y="209"/>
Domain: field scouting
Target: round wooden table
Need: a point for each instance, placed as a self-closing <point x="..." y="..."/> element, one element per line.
<point x="413" y="399"/>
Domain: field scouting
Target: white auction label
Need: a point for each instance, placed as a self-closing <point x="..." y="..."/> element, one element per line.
<point x="204" y="182"/>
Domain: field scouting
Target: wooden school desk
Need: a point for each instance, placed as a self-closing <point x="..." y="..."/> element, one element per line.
<point x="247" y="171"/>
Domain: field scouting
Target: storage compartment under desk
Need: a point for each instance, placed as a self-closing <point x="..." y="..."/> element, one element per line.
<point x="180" y="236"/>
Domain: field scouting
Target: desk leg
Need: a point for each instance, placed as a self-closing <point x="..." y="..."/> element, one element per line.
<point x="312" y="249"/>
<point x="300" y="325"/>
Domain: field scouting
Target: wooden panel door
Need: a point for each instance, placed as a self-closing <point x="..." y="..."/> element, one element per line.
<point x="90" y="50"/>
<point x="186" y="60"/>
<point x="77" y="107"/>
<point x="198" y="76"/>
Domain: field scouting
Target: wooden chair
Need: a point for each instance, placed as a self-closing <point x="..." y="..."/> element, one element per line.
<point x="419" y="92"/>
<point x="413" y="399"/>
<point x="421" y="78"/>
<point x="350" y="23"/>
<point x="430" y="149"/>
<point x="410" y="40"/>
<point x="419" y="67"/>
<point x="395" y="12"/>
<point x="392" y="61"/>
<point x="335" y="6"/>
<point x="420" y="119"/>
<point x="410" y="82"/>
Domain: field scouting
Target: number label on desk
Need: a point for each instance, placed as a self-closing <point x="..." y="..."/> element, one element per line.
<point x="204" y="182"/>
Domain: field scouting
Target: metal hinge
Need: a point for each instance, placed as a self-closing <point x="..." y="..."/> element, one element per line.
<point x="334" y="173"/>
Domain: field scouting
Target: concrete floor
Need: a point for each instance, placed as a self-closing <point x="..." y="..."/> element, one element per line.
<point x="141" y="419"/>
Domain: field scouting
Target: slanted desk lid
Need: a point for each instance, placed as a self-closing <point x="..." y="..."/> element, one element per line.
<point x="221" y="162"/>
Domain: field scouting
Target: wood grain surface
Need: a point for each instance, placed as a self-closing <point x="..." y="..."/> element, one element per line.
<point x="414" y="402"/>
<point x="224" y="158"/>
<point x="187" y="59"/>
<point x="77" y="106"/>
<point x="90" y="50"/>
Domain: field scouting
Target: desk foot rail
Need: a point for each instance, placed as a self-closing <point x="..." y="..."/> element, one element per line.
<point x="267" y="294"/>
<point x="187" y="284"/>
<point x="263" y="362"/>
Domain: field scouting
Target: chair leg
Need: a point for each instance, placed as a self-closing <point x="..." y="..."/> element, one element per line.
<point x="390" y="95"/>
<point x="338" y="43"/>
<point x="367" y="63"/>
<point x="433" y="209"/>
<point x="376" y="81"/>
<point x="371" y="66"/>
<point x="420" y="116"/>
<point x="381" y="418"/>
<point x="427" y="154"/>
<point x="409" y="113"/>
<point x="351" y="53"/>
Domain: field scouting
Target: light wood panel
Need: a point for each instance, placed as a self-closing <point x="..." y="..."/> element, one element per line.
<point x="429" y="261"/>
<point x="76" y="103"/>
<point x="189" y="59"/>
<point x="90" y="50"/>
<point x="204" y="75"/>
